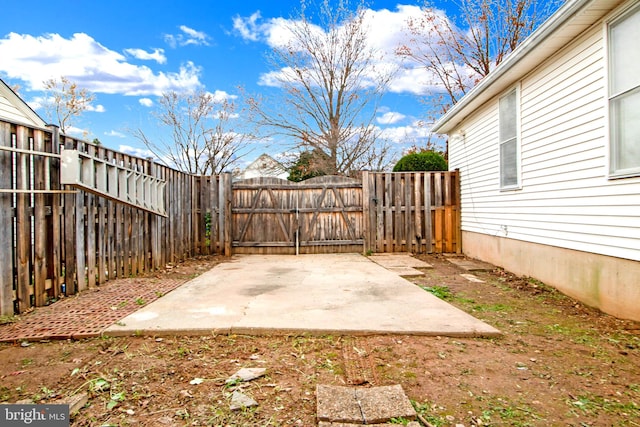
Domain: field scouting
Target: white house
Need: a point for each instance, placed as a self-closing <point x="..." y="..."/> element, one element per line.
<point x="263" y="166"/>
<point x="13" y="109"/>
<point x="548" y="148"/>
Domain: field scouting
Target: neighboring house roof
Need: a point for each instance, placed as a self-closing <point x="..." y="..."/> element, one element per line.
<point x="14" y="109"/>
<point x="264" y="166"/>
<point x="573" y="18"/>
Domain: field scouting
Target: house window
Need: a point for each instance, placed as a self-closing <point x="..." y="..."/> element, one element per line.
<point x="509" y="150"/>
<point x="624" y="93"/>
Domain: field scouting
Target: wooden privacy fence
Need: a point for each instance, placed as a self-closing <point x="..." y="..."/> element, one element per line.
<point x="60" y="239"/>
<point x="416" y="212"/>
<point x="57" y="240"/>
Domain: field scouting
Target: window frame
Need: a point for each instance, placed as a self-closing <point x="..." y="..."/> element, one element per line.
<point x="614" y="172"/>
<point x="518" y="140"/>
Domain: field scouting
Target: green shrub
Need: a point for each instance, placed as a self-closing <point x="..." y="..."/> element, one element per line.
<point x="423" y="161"/>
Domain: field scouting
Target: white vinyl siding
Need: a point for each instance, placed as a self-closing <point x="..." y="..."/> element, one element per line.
<point x="566" y="199"/>
<point x="10" y="113"/>
<point x="624" y="93"/>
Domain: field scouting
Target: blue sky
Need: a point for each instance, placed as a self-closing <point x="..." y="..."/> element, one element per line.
<point x="128" y="52"/>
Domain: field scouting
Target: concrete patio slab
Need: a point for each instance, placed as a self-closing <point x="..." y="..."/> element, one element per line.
<point x="306" y="294"/>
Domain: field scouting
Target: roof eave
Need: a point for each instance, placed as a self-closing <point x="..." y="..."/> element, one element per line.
<point x="524" y="58"/>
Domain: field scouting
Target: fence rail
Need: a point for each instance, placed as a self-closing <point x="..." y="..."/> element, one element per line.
<point x="58" y="239"/>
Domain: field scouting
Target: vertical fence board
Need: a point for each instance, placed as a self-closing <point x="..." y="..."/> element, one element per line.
<point x="408" y="223"/>
<point x="23" y="223"/>
<point x="56" y="214"/>
<point x="417" y="211"/>
<point x="6" y="223"/>
<point x="366" y="212"/>
<point x="90" y="231"/>
<point x="70" y="266"/>
<point x="428" y="224"/>
<point x="380" y="214"/>
<point x="39" y="223"/>
<point x="80" y="242"/>
<point x="102" y="231"/>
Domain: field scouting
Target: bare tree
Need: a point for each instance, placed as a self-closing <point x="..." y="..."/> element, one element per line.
<point x="203" y="138"/>
<point x="65" y="101"/>
<point x="459" y="52"/>
<point x="330" y="85"/>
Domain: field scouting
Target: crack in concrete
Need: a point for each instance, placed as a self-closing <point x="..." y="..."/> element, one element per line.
<point x="364" y="417"/>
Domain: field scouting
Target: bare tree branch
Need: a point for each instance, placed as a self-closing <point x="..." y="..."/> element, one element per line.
<point x="458" y="52"/>
<point x="65" y="101"/>
<point x="328" y="77"/>
<point x="203" y="139"/>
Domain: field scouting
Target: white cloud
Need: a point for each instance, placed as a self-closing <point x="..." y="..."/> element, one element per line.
<point x="390" y="117"/>
<point x="96" y="108"/>
<point x="72" y="130"/>
<point x="115" y="134"/>
<point x="220" y="96"/>
<point x="89" y="64"/>
<point x="146" y="102"/>
<point x="138" y="152"/>
<point x="411" y="78"/>
<point x="189" y="36"/>
<point x="157" y="55"/>
<point x="413" y="133"/>
<point x="247" y="27"/>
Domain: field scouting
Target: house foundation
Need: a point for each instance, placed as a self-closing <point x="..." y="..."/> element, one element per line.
<point x="608" y="283"/>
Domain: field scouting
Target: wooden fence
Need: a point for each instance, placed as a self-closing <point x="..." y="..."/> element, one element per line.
<point x="416" y="212"/>
<point x="55" y="239"/>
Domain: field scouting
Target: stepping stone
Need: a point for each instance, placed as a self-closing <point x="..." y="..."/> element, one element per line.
<point x="471" y="264"/>
<point x="241" y="401"/>
<point x="246" y="374"/>
<point x="328" y="424"/>
<point x="398" y="260"/>
<point x="472" y="278"/>
<point x="351" y="405"/>
<point x="405" y="271"/>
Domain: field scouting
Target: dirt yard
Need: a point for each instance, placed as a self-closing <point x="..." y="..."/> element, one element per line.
<point x="558" y="363"/>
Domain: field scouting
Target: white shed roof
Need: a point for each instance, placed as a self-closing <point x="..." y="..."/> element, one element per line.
<point x="15" y="109"/>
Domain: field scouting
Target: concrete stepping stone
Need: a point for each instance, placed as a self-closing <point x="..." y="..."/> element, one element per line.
<point x="471" y="264"/>
<point x="246" y="374"/>
<point x="398" y="260"/>
<point x="328" y="424"/>
<point x="472" y="278"/>
<point x="358" y="406"/>
<point x="241" y="401"/>
<point x="402" y="264"/>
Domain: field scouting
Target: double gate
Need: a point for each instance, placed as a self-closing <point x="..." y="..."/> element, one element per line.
<point x="319" y="215"/>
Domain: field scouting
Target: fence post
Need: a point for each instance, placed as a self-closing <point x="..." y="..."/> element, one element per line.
<point x="39" y="223"/>
<point x="23" y="223"/>
<point x="56" y="212"/>
<point x="366" y="209"/>
<point x="70" y="235"/>
<point x="153" y="226"/>
<point x="226" y="199"/>
<point x="6" y="224"/>
<point x="458" y="208"/>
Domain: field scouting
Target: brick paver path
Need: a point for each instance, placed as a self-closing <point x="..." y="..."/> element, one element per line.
<point x="89" y="313"/>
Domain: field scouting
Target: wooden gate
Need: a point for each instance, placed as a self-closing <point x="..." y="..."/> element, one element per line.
<point x="319" y="215"/>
